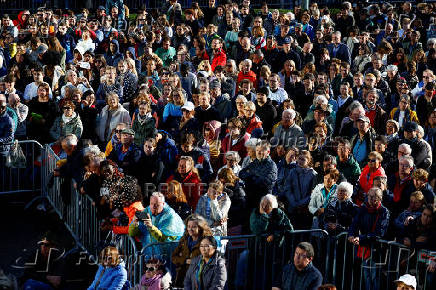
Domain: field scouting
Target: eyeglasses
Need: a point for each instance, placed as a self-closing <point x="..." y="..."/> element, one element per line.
<point x="372" y="160"/>
<point x="66" y="108"/>
<point x="150" y="269"/>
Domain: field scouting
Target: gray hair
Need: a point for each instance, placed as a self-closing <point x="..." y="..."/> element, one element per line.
<point x="348" y="187"/>
<point x="251" y="143"/>
<point x="159" y="195"/>
<point x="320" y="98"/>
<point x="241" y="97"/>
<point x="407" y="147"/>
<point x="271" y="199"/>
<point x="70" y="140"/>
<point x="248" y="61"/>
<point x="420" y="131"/>
<point x="392" y="67"/>
<point x="409" y="159"/>
<point x="290" y="111"/>
<point x="234" y="155"/>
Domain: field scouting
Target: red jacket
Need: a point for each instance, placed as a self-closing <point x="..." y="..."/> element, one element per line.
<point x="255" y="122"/>
<point x="219" y="58"/>
<point x="191" y="185"/>
<point x="249" y="76"/>
<point x="365" y="182"/>
<point x="226" y="145"/>
<point x="130" y="212"/>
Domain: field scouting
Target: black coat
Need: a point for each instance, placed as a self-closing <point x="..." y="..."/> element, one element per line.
<point x="267" y="114"/>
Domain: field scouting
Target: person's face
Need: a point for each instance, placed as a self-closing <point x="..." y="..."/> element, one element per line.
<point x="404" y="168"/>
<point x="300" y="259"/>
<point x="193" y="229"/>
<point x="344" y="90"/>
<point x="42" y="93"/>
<point x="362" y="126"/>
<point x="291" y="156"/>
<point x="261" y="98"/>
<point x="38" y="76"/>
<point x="403" y="105"/>
<point x="107" y="171"/>
<point x="358" y="81"/>
<point x="426" y="217"/>
<point x="370" y="82"/>
<point x="126" y="139"/>
<point x="409" y="135"/>
<point x="215" y="92"/>
<point x="419" y="183"/>
<point x="2" y="104"/>
<point x="343" y="151"/>
<point x="156" y="205"/>
<point x="286" y="119"/>
<point x="373" y="162"/>
<point x="148" y="148"/>
<point x="206" y="249"/>
<point x="246" y="88"/>
<point x="184" y="166"/>
<point x="373" y="200"/>
<point x="150" y="270"/>
<point x="68" y="110"/>
<point x="234" y="131"/>
<point x="274" y="82"/>
<point x="336" y="39"/>
<point x="203" y="100"/>
<point x="303" y="161"/>
<point x="341" y="194"/>
<point x="427" y="77"/>
<point x="318" y="115"/>
<point x="415" y="204"/>
<point x="261" y="152"/>
<point x="266" y="206"/>
<point x="380" y="147"/>
<point x="112" y="102"/>
<point x="328" y="181"/>
<point x="122" y="67"/>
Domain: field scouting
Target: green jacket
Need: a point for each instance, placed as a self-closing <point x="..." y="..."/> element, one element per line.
<point x="61" y="129"/>
<point x="276" y="223"/>
<point x="350" y="169"/>
<point x="144" y="130"/>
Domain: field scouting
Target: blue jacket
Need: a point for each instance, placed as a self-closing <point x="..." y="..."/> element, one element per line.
<point x="343" y="53"/>
<point x="299" y="185"/>
<point x="112" y="59"/>
<point x="307" y="279"/>
<point x="112" y="279"/>
<point x="369" y="225"/>
<point x="166" y="151"/>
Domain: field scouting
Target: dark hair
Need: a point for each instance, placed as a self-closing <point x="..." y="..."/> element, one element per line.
<point x="382" y="138"/>
<point x="310" y="252"/>
<point x="212" y="240"/>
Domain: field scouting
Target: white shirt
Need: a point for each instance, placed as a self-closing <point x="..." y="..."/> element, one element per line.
<point x="279" y="96"/>
<point x="31" y="92"/>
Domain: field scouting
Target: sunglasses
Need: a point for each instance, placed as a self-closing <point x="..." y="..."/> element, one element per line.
<point x="66" y="108"/>
<point x="373" y="160"/>
<point x="150" y="269"/>
<point x="118" y="131"/>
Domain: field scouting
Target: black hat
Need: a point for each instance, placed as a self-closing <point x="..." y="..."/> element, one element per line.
<point x="263" y="91"/>
<point x="410" y="127"/>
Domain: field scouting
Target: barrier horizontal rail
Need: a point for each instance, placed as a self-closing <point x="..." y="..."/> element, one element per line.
<point x="22" y="180"/>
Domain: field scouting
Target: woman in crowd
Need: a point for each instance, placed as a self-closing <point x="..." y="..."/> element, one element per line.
<point x="371" y="170"/>
<point x="340" y="210"/>
<point x="155" y="276"/>
<point x="111" y="273"/>
<point x="420" y="231"/>
<point x="68" y="123"/>
<point x="176" y="199"/>
<point x="144" y="124"/>
<point x="250" y="120"/>
<point x="235" y="139"/>
<point x="111" y="115"/>
<point x="189" y="246"/>
<point x="321" y="195"/>
<point x="109" y="85"/>
<point x="127" y="79"/>
<point x="208" y="270"/>
<point x="214" y="207"/>
<point x="173" y="110"/>
<point x="403" y="113"/>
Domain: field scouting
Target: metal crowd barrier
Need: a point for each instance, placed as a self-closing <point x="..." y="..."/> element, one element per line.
<point x="22" y="180"/>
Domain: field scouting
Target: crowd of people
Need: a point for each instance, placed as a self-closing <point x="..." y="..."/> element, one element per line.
<point x="188" y="124"/>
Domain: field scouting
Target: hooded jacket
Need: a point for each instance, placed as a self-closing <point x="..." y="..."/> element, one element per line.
<point x="61" y="129"/>
<point x="112" y="277"/>
<point x="214" y="274"/>
<point x="112" y="59"/>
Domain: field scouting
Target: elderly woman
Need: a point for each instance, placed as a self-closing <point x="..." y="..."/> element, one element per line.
<point x="111" y="273"/>
<point x="340" y="210"/>
<point x="68" y="123"/>
<point x="270" y="220"/>
<point x="403" y="113"/>
<point x="371" y="170"/>
<point x="250" y="146"/>
<point x="250" y="120"/>
<point x="189" y="246"/>
<point x="208" y="270"/>
<point x="235" y="139"/>
<point x="111" y="115"/>
<point x="240" y="106"/>
<point x="232" y="162"/>
<point x="321" y="195"/>
<point x="214" y="207"/>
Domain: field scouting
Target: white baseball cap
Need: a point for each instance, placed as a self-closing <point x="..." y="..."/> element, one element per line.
<point x="408" y="279"/>
<point x="188" y="106"/>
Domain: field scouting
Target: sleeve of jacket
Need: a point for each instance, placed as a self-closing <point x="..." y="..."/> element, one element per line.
<point x="55" y="130"/>
<point x="79" y="129"/>
<point x="119" y="281"/>
<point x="187" y="283"/>
<point x="353" y="230"/>
<point x="258" y="222"/>
<point x="314" y="203"/>
<point x="220" y="277"/>
<point x="315" y="283"/>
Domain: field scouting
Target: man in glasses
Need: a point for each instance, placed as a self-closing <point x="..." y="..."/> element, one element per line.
<point x="301" y="274"/>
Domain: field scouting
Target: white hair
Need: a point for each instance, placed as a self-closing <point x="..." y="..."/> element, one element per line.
<point x="420" y="132"/>
<point x="241" y="97"/>
<point x="348" y="187"/>
<point x="409" y="159"/>
<point x="407" y="147"/>
<point x="431" y="40"/>
<point x="70" y="140"/>
<point x="249" y="62"/>
<point x="290" y="111"/>
<point x="392" y="67"/>
<point x="271" y="199"/>
<point x="159" y="195"/>
<point x="251" y="143"/>
<point x="320" y="99"/>
<point x="233" y="154"/>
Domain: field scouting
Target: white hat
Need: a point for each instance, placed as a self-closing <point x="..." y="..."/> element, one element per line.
<point x="188" y="106"/>
<point x="408" y="279"/>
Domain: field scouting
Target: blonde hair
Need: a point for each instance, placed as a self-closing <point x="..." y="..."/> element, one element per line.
<point x="131" y="65"/>
<point x="113" y="254"/>
<point x="178" y="194"/>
